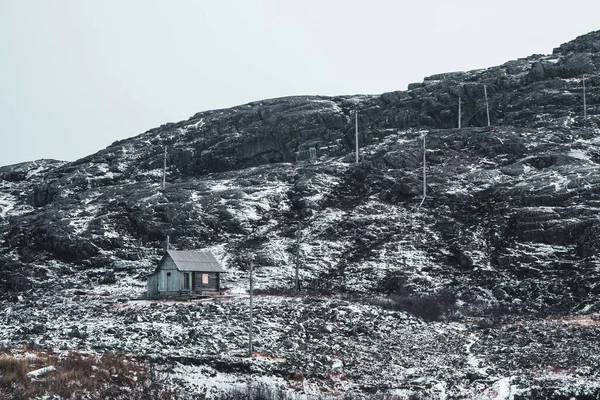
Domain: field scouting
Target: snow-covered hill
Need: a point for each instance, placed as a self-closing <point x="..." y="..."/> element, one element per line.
<point x="508" y="233"/>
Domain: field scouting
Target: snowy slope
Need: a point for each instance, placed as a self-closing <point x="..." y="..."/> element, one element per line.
<point x="505" y="245"/>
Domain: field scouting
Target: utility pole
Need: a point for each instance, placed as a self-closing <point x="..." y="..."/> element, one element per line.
<point x="251" y="327"/>
<point x="459" y="115"/>
<point x="424" y="168"/>
<point x="584" y="104"/>
<point x="424" y="172"/>
<point x="298" y="236"/>
<point x="487" y="105"/>
<point x="356" y="133"/>
<point x="164" y="170"/>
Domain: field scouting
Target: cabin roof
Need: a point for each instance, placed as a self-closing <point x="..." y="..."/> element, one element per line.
<point x="191" y="260"/>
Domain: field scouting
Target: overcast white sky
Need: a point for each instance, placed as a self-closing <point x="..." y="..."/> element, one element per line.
<point x="77" y="75"/>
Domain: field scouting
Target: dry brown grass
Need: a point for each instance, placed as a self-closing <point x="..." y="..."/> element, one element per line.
<point x="80" y="375"/>
<point x="12" y="370"/>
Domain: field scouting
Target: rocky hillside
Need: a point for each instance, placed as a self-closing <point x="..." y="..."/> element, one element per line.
<point x="511" y="213"/>
<point x="510" y="224"/>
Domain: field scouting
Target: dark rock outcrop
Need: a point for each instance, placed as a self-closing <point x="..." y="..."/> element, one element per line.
<point x="512" y="207"/>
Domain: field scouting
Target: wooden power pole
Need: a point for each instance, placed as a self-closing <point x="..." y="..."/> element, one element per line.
<point x="584" y="103"/>
<point x="164" y="180"/>
<point x="424" y="171"/>
<point x="250" y="322"/>
<point x="487" y="104"/>
<point x="459" y="111"/>
<point x="356" y="133"/>
<point x="297" y="279"/>
<point x="424" y="168"/>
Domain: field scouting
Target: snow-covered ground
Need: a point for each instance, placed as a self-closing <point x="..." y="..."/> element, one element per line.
<point x="314" y="345"/>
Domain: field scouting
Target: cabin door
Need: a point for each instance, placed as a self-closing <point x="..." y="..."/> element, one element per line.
<point x="186" y="281"/>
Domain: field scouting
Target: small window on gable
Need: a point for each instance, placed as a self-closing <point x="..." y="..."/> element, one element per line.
<point x="168" y="274"/>
<point x="205" y="279"/>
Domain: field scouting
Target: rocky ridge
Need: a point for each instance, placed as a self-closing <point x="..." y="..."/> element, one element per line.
<point x="510" y="225"/>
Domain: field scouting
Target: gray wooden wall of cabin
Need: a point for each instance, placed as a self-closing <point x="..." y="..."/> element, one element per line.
<point x="172" y="283"/>
<point x="152" y="285"/>
<point x="213" y="284"/>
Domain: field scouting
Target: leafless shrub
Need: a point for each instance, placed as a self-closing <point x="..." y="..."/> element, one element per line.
<point x="428" y="307"/>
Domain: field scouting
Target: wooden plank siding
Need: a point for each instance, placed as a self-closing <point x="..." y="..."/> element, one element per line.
<point x="152" y="285"/>
<point x="169" y="277"/>
<point x="211" y="286"/>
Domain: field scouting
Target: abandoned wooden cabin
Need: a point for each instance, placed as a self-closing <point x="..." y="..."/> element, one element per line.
<point x="185" y="273"/>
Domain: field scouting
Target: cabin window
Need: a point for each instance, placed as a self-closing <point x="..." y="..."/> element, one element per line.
<point x="205" y="279"/>
<point x="186" y="280"/>
<point x="168" y="274"/>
